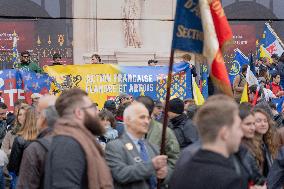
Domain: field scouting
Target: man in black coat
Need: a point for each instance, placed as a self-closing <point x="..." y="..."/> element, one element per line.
<point x="183" y="127"/>
<point x="219" y="128"/>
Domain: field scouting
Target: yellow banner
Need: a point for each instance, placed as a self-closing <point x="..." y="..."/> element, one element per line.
<point x="105" y="81"/>
<point x="99" y="81"/>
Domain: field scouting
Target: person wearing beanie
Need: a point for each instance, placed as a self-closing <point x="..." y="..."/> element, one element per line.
<point x="110" y="106"/>
<point x="183" y="127"/>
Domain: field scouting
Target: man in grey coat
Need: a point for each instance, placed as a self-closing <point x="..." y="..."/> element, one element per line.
<point x="134" y="162"/>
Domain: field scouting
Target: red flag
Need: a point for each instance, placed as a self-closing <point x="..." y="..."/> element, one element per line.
<point x="222" y="27"/>
<point x="217" y="33"/>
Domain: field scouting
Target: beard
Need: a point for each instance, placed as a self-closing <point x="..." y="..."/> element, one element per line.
<point x="93" y="124"/>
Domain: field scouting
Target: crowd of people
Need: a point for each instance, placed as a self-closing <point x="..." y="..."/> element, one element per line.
<point x="67" y="142"/>
<point x="270" y="75"/>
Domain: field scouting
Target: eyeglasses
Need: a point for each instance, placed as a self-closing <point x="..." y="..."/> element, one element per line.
<point x="25" y="56"/>
<point x="88" y="107"/>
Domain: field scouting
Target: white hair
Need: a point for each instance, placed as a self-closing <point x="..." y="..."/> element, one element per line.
<point x="130" y="110"/>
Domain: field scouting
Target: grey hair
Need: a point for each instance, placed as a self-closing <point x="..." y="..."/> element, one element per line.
<point x="50" y="115"/>
<point x="130" y="110"/>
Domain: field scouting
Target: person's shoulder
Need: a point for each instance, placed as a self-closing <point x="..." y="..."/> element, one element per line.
<point x="35" y="147"/>
<point x="66" y="140"/>
<point x="19" y="139"/>
<point x="116" y="143"/>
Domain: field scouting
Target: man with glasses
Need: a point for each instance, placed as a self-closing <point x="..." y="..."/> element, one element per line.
<point x="75" y="158"/>
<point x="26" y="63"/>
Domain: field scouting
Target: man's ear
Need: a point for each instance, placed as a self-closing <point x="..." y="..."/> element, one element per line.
<point x="78" y="113"/>
<point x="126" y="120"/>
<point x="224" y="133"/>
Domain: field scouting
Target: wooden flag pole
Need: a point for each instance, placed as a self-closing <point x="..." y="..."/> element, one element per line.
<point x="165" y="121"/>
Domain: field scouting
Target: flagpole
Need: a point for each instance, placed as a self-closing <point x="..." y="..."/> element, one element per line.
<point x="165" y="121"/>
<point x="168" y="94"/>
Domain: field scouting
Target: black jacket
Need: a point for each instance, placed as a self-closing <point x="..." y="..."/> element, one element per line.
<point x="184" y="130"/>
<point x="275" y="178"/>
<point x="248" y="166"/>
<point x="17" y="151"/>
<point x="206" y="170"/>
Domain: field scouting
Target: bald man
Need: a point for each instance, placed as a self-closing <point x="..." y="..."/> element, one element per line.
<point x="134" y="162"/>
<point x="33" y="161"/>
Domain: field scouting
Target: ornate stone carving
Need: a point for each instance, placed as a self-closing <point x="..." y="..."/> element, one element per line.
<point x="131" y="25"/>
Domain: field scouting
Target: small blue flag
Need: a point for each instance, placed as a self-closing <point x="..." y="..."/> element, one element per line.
<point x="278" y="102"/>
<point x="239" y="60"/>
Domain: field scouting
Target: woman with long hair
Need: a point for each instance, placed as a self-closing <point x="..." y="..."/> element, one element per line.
<point x="26" y="134"/>
<point x="265" y="145"/>
<point x="248" y="167"/>
<point x="10" y="136"/>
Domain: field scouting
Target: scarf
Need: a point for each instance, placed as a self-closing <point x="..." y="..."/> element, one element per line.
<point x="99" y="176"/>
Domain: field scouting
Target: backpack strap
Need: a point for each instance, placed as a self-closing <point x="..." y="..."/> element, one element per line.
<point x="44" y="142"/>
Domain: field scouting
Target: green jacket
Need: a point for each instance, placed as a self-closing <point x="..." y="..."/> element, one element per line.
<point x="172" y="149"/>
<point x="30" y="67"/>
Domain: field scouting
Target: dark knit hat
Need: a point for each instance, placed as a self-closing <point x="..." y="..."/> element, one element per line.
<point x="110" y="105"/>
<point x="176" y="105"/>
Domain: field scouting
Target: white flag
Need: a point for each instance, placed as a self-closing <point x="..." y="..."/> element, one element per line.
<point x="250" y="78"/>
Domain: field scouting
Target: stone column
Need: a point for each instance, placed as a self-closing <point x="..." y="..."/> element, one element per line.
<point x="84" y="29"/>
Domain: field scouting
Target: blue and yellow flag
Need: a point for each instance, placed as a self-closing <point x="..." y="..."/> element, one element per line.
<point x="239" y="60"/>
<point x="188" y="32"/>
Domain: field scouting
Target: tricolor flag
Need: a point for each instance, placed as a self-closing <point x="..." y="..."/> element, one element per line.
<point x="217" y="33"/>
<point x="271" y="42"/>
<point x="202" y="27"/>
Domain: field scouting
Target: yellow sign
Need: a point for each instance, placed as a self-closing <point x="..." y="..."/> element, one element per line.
<point x="99" y="81"/>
